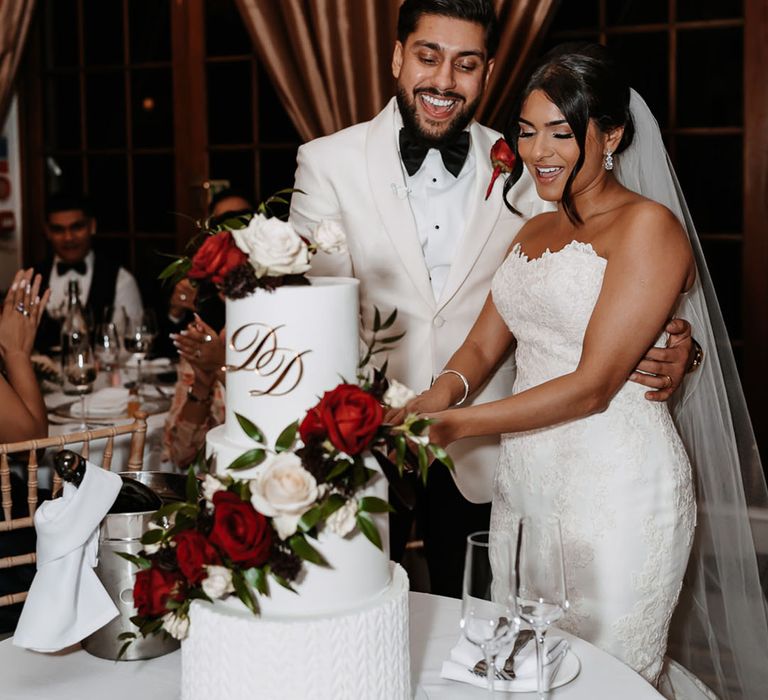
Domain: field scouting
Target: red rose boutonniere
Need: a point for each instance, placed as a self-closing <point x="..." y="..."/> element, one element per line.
<point x="503" y="160"/>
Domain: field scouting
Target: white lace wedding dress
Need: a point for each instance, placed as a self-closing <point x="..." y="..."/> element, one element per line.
<point x="619" y="480"/>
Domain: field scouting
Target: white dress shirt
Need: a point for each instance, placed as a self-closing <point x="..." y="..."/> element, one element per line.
<point x="127" y="293"/>
<point x="439" y="202"/>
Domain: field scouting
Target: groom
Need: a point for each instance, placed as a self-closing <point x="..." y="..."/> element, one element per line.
<point x="408" y="188"/>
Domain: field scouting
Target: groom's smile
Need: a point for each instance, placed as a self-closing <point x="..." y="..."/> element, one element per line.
<point x="441" y="71"/>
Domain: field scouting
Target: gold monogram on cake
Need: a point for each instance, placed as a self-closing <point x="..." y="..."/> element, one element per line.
<point x="282" y="368"/>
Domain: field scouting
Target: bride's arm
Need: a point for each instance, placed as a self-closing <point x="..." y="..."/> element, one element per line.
<point x="650" y="263"/>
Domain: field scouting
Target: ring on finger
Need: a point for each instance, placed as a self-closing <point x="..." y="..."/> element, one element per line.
<point x="20" y="307"/>
<point x="183" y="297"/>
<point x="669" y="381"/>
<point x="197" y="353"/>
<point x="207" y="338"/>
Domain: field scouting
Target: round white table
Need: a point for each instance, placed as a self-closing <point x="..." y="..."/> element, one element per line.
<point x="26" y="675"/>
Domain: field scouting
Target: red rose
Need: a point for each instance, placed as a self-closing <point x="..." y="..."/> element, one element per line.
<point x="152" y="589"/>
<point x="312" y="427"/>
<point x="351" y="417"/>
<point x="502" y="160"/>
<point x="239" y="531"/>
<point x="216" y="258"/>
<point x="193" y="553"/>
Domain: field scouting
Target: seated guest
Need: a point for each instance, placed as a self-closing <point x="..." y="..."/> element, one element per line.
<point x="103" y="283"/>
<point x="198" y="401"/>
<point x="23" y="418"/>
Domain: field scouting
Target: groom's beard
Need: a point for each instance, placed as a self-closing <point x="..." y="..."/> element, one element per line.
<point x="411" y="120"/>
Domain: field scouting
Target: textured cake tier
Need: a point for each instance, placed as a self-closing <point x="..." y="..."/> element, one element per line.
<point x="361" y="653"/>
<point x="285" y="349"/>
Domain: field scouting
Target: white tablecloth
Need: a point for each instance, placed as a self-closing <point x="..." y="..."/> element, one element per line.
<point x="26" y="675"/>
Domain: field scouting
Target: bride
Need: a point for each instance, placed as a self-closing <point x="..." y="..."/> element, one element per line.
<point x="582" y="294"/>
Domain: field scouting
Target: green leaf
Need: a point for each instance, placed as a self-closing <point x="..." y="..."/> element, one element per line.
<point x="376" y="320"/>
<point x="392" y="339"/>
<point x="369" y="529"/>
<point x="332" y="504"/>
<point x="126" y="635"/>
<point x="136" y="560"/>
<point x="151" y="626"/>
<point x="372" y="504"/>
<point x="257" y="578"/>
<point x="418" y="426"/>
<point x="390" y="320"/>
<point x="287" y="438"/>
<point x="310" y="519"/>
<point x="152" y="536"/>
<point x="168" y="510"/>
<point x="306" y="551"/>
<point x="252" y="458"/>
<point x="244" y="592"/>
<point x="441" y="456"/>
<point x="123" y="649"/>
<point x="193" y="487"/>
<point x="234" y="223"/>
<point x="340" y="467"/>
<point x="251" y="430"/>
<point x="283" y="582"/>
<point x="423" y="463"/>
<point x="400" y="448"/>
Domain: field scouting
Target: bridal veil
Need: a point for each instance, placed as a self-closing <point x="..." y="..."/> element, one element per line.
<point x="720" y="628"/>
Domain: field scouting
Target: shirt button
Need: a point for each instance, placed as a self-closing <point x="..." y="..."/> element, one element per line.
<point x="438" y="321"/>
<point x="437" y="226"/>
<point x="434" y="179"/>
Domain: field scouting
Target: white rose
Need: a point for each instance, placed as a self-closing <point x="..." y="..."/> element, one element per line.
<point x="342" y="521"/>
<point x="218" y="582"/>
<point x="273" y="247"/>
<point x="397" y="395"/>
<point x="175" y="625"/>
<point x="283" y="490"/>
<point x="153" y="548"/>
<point x="330" y="237"/>
<point x="211" y="485"/>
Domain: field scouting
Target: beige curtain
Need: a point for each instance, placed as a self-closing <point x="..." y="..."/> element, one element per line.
<point x="330" y="60"/>
<point x="15" y="16"/>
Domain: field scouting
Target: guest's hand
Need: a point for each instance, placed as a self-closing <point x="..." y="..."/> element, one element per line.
<point x="201" y="346"/>
<point x="667" y="366"/>
<point x="22" y="309"/>
<point x="182" y="299"/>
<point x="444" y="430"/>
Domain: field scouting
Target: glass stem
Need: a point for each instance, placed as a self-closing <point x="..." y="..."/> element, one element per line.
<point x="540" y="650"/>
<point x="83" y="424"/>
<point x="138" y="376"/>
<point x="490" y="672"/>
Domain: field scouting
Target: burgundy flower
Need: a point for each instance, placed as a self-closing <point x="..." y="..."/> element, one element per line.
<point x="153" y="588"/>
<point x="194" y="552"/>
<point x="502" y="160"/>
<point x="351" y="417"/>
<point x="216" y="258"/>
<point x="240" y="532"/>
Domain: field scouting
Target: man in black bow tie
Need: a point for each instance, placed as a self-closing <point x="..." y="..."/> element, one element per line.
<point x="103" y="283"/>
<point x="409" y="188"/>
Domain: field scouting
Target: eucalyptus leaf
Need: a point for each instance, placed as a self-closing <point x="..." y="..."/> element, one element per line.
<point x="369" y="529"/>
<point x="252" y="458"/>
<point x="287" y="438"/>
<point x="251" y="429"/>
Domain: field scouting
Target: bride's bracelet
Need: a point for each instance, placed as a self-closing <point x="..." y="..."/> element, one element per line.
<point x="463" y="381"/>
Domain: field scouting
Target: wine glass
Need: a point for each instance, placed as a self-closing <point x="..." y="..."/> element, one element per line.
<point x="80" y="370"/>
<point x="140" y="332"/>
<point x="107" y="345"/>
<point x="541" y="593"/>
<point x="489" y="616"/>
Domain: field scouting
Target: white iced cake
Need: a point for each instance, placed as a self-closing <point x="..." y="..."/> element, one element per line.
<point x="344" y="633"/>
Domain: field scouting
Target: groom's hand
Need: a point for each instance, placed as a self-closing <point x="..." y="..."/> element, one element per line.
<point x="663" y="369"/>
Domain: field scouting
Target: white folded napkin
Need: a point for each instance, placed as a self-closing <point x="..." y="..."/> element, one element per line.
<point x="110" y="401"/>
<point x="465" y="655"/>
<point x="66" y="601"/>
<point x="157" y="363"/>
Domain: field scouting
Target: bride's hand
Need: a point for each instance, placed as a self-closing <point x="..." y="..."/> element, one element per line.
<point x="667" y="366"/>
<point x="430" y="401"/>
<point x="442" y="431"/>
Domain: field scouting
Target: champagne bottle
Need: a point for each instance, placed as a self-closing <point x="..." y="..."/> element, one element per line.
<point x="74" y="330"/>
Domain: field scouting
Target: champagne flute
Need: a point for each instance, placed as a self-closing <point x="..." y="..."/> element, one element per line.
<point x="107" y="345"/>
<point x="80" y="370"/>
<point x="489" y="616"/>
<point x="139" y="334"/>
<point x="541" y="592"/>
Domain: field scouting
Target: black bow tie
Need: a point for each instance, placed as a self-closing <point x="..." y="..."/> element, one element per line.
<point x="62" y="268"/>
<point x="413" y="152"/>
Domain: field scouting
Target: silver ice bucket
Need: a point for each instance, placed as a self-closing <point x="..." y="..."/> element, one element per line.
<point x="121" y="532"/>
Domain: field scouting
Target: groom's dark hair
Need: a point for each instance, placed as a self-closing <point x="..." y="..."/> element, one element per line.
<point x="478" y="11"/>
<point x="585" y="83"/>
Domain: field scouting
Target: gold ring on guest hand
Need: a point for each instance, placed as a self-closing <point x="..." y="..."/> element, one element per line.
<point x="183" y="297"/>
<point x="207" y="338"/>
<point x="669" y="381"/>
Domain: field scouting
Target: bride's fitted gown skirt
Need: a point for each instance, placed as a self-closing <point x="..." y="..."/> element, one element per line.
<point x="619" y="481"/>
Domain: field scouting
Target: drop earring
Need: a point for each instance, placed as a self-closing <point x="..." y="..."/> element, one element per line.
<point x="608" y="161"/>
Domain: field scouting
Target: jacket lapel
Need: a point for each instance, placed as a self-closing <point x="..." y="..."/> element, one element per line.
<point x="482" y="217"/>
<point x="385" y="175"/>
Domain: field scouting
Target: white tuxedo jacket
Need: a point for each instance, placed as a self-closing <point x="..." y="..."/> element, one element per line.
<point x="356" y="178"/>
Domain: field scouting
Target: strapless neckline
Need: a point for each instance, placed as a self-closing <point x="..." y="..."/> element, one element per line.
<point x="517" y="250"/>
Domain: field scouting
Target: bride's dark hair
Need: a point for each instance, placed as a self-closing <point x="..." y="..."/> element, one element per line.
<point x="584" y="82"/>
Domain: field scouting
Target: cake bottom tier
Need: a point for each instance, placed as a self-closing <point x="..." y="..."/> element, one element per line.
<point x="362" y="653"/>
